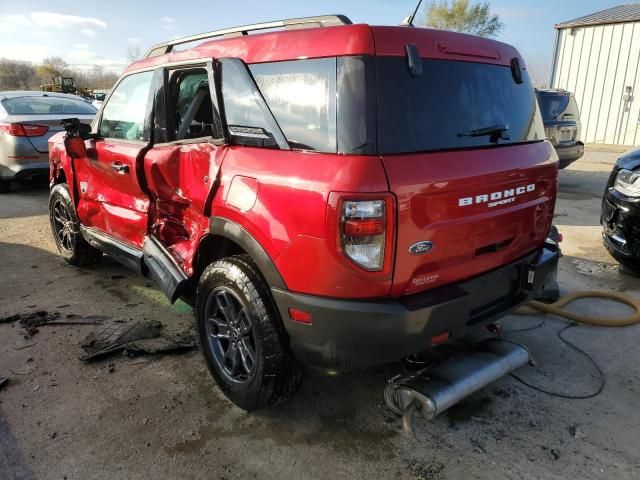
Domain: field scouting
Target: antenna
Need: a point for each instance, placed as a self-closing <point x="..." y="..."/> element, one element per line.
<point x="408" y="21"/>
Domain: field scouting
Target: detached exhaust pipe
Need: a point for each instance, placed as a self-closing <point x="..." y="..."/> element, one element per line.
<point x="429" y="393"/>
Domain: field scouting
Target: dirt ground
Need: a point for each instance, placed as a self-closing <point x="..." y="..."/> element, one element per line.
<point x="163" y="417"/>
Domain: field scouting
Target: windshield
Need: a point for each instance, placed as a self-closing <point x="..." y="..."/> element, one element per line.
<point x="552" y="105"/>
<point x="47" y="106"/>
<point x="453" y="105"/>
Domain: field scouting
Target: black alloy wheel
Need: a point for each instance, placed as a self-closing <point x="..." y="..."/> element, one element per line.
<point x="63" y="226"/>
<point x="243" y="339"/>
<point x="230" y="335"/>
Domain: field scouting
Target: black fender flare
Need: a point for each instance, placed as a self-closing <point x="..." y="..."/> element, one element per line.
<point x="231" y="230"/>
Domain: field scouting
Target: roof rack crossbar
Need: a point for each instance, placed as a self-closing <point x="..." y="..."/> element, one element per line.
<point x="320" y="21"/>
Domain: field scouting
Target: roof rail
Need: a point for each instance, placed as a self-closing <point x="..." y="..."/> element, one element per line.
<point x="290" y="23"/>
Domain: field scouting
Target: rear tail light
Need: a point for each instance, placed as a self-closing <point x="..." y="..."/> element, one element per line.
<point x="363" y="232"/>
<point x="23" y="130"/>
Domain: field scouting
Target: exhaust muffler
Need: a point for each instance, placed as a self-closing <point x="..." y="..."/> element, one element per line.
<point x="429" y="393"/>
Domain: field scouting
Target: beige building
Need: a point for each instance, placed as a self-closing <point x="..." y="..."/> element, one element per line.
<point x="597" y="57"/>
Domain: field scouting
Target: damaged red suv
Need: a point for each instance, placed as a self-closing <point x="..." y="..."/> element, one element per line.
<point x="327" y="194"/>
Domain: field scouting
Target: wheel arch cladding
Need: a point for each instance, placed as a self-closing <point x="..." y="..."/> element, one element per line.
<point x="226" y="237"/>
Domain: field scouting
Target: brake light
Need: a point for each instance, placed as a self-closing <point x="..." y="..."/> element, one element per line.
<point x="23" y="130"/>
<point x="363" y="232"/>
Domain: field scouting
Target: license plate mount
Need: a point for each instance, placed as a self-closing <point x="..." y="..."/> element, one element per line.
<point x="528" y="277"/>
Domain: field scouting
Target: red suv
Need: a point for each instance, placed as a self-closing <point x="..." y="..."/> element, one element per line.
<point x="326" y="194"/>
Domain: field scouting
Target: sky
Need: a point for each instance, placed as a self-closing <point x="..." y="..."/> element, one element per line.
<point x="88" y="32"/>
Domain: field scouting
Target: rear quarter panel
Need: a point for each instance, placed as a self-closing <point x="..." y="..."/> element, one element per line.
<point x="288" y="216"/>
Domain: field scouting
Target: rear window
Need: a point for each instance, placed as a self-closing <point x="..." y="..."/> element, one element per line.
<point x="453" y="105"/>
<point x="552" y="105"/>
<point x="47" y="106"/>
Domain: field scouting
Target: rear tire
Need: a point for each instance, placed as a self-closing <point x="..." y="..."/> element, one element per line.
<point x="5" y="186"/>
<point x="65" y="227"/>
<point x="242" y="336"/>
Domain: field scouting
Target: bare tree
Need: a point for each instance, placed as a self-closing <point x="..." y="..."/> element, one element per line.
<point x="96" y="78"/>
<point x="463" y="16"/>
<point x="51" y="69"/>
<point x="17" y="75"/>
<point x="134" y="53"/>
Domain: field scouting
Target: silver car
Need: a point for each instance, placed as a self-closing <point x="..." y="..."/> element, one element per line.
<point x="27" y="121"/>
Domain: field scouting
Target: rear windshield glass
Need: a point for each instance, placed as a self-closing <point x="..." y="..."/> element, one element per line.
<point x="552" y="105"/>
<point x="452" y="105"/>
<point x="47" y="106"/>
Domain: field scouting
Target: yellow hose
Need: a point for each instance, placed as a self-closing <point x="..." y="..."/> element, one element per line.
<point x="556" y="308"/>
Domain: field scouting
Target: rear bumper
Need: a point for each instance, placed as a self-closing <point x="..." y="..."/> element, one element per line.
<point x="569" y="153"/>
<point x="347" y="334"/>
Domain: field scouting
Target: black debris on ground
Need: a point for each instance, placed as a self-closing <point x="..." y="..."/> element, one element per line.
<point x="33" y="320"/>
<point x="3" y="382"/>
<point x="134" y="337"/>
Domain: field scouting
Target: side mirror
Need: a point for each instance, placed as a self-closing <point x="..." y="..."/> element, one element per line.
<point x="74" y="139"/>
<point x="75" y="147"/>
<point x="75" y="128"/>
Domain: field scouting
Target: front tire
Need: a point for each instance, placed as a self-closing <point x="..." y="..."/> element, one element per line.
<point x="65" y="227"/>
<point x="5" y="186"/>
<point x="242" y="337"/>
<point x="632" y="269"/>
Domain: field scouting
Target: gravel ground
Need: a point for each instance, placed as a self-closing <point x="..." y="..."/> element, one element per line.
<point x="163" y="417"/>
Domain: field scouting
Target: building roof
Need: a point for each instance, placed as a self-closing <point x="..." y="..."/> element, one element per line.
<point x="629" y="12"/>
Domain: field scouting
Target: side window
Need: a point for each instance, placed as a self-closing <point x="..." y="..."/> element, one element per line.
<point x="123" y="116"/>
<point x="191" y="106"/>
<point x="302" y="96"/>
<point x="249" y="120"/>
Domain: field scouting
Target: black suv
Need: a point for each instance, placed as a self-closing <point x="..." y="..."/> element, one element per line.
<point x="561" y="124"/>
<point x="621" y="211"/>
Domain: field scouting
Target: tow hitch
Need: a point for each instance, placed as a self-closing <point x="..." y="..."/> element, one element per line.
<point x="431" y="391"/>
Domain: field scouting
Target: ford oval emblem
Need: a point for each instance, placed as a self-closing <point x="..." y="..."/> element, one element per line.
<point x="421" y="248"/>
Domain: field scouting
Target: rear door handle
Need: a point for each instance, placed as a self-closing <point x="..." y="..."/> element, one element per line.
<point x="120" y="168"/>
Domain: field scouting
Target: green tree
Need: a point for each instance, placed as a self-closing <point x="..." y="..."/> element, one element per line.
<point x="463" y="16"/>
